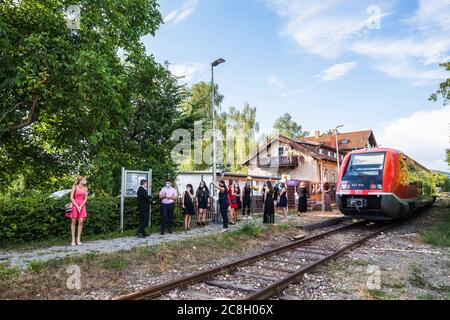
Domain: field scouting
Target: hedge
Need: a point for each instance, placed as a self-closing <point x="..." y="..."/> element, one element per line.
<point x="39" y="217"/>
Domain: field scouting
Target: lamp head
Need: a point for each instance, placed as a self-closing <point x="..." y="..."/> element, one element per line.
<point x="217" y="62"/>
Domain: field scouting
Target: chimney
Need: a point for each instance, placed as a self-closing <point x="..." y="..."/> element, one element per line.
<point x="317" y="134"/>
<point x="333" y="139"/>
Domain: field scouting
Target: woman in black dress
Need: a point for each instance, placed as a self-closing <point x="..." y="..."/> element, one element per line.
<point x="247" y="200"/>
<point x="283" y="204"/>
<point x="188" y="206"/>
<point x="269" y="207"/>
<point x="302" y="198"/>
<point x="223" y="203"/>
<point x="202" y="197"/>
<point x="237" y="191"/>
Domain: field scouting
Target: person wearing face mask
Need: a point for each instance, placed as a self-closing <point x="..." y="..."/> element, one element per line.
<point x="237" y="192"/>
<point x="247" y="200"/>
<point x="188" y="206"/>
<point x="232" y="201"/>
<point x="269" y="208"/>
<point x="223" y="203"/>
<point x="78" y="198"/>
<point x="168" y="195"/>
<point x="203" y="202"/>
<point x="283" y="201"/>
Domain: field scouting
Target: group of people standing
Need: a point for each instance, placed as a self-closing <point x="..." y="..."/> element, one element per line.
<point x="197" y="203"/>
<point x="229" y="202"/>
<point x="274" y="196"/>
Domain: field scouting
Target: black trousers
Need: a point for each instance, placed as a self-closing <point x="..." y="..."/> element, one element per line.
<point x="246" y="205"/>
<point x="144" y="217"/>
<point x="167" y="216"/>
<point x="224" y="212"/>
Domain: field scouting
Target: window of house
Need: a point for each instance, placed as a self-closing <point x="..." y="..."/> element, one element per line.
<point x="321" y="151"/>
<point x="281" y="151"/>
<point x="333" y="177"/>
<point x="345" y="141"/>
<point x="325" y="175"/>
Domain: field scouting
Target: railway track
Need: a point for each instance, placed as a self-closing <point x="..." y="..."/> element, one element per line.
<point x="246" y="278"/>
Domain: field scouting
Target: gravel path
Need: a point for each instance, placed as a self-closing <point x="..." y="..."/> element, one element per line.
<point x="21" y="259"/>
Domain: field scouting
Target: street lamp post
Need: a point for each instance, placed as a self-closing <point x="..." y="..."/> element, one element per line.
<point x="337" y="149"/>
<point x="213" y="113"/>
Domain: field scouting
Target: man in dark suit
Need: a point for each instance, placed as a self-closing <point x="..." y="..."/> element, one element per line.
<point x="144" y="201"/>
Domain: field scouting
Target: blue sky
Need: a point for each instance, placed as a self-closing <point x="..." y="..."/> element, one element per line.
<point x="364" y="64"/>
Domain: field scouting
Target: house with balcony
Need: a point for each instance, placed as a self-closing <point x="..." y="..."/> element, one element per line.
<point x="301" y="160"/>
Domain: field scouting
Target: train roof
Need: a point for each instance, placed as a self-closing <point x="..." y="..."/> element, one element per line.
<point x="369" y="150"/>
<point x="377" y="149"/>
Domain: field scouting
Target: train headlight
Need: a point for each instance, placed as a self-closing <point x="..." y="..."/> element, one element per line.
<point x="345" y="185"/>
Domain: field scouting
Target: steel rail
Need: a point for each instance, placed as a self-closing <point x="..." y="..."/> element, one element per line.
<point x="278" y="286"/>
<point x="159" y="290"/>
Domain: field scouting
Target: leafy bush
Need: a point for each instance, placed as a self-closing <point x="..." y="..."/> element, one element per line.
<point x="250" y="229"/>
<point x="38" y="217"/>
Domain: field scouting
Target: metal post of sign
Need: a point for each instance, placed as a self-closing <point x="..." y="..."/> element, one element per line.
<point x="122" y="195"/>
<point x="150" y="183"/>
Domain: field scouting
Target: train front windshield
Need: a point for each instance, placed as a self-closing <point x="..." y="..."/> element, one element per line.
<point x="364" y="172"/>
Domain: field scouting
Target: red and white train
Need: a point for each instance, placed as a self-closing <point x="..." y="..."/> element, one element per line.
<point x="383" y="184"/>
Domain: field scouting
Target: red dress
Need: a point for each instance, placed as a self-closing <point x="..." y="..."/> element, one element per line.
<point x="80" y="194"/>
<point x="232" y="198"/>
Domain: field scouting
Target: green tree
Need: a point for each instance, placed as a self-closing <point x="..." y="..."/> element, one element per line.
<point x="286" y="126"/>
<point x="197" y="103"/>
<point x="69" y="104"/>
<point x="243" y="127"/>
<point x="442" y="180"/>
<point x="196" y="106"/>
<point x="444" y="87"/>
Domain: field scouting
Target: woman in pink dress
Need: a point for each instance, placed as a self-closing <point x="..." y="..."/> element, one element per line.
<point x="78" y="197"/>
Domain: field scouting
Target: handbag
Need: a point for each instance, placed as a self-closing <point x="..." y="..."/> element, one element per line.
<point x="68" y="208"/>
<point x="234" y="201"/>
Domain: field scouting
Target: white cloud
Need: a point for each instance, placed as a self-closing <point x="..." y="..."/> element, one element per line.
<point x="172" y="15"/>
<point x="275" y="81"/>
<point x="424" y="136"/>
<point x="431" y="14"/>
<point x="190" y="71"/>
<point x="332" y="28"/>
<point x="337" y="71"/>
<point x="428" y="51"/>
<point x="404" y="69"/>
<point x="177" y="16"/>
<point x="323" y="27"/>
